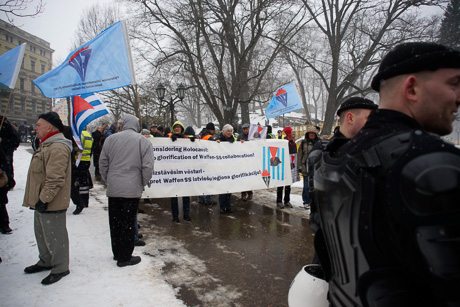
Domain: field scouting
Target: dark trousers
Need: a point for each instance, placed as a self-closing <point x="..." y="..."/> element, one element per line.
<point x="96" y="163"/>
<point x="4" y="218"/>
<point x="225" y="201"/>
<point x="175" y="206"/>
<point x="122" y="215"/>
<point x="287" y="194"/>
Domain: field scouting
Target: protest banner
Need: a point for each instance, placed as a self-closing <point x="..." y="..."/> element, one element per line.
<point x="185" y="168"/>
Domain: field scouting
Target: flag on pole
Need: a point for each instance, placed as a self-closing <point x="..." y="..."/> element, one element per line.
<point x="10" y="63"/>
<point x="104" y="63"/>
<point x="84" y="109"/>
<point x="285" y="100"/>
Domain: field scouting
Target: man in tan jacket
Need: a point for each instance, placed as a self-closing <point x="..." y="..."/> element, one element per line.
<point x="48" y="193"/>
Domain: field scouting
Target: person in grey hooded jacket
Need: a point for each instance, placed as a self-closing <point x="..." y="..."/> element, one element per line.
<point x="126" y="166"/>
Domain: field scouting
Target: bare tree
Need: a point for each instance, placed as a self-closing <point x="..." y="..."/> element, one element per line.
<point x="21" y="8"/>
<point x="220" y="44"/>
<point x="353" y="35"/>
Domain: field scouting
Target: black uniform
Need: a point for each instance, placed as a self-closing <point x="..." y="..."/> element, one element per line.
<point x="390" y="216"/>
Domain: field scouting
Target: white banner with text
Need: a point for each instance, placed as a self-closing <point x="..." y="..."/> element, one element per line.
<point x="185" y="168"/>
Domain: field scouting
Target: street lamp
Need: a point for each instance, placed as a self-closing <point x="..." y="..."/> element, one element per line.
<point x="161" y="91"/>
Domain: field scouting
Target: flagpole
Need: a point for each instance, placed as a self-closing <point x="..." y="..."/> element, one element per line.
<point x="6" y="109"/>
<point x="138" y="106"/>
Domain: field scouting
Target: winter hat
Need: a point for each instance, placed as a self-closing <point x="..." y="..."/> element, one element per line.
<point x="414" y="57"/>
<point x="356" y="103"/>
<point x="287" y="131"/>
<point x="145" y="131"/>
<point x="245" y="126"/>
<point x="189" y="131"/>
<point x="53" y="119"/>
<point x="160" y="128"/>
<point x="210" y="126"/>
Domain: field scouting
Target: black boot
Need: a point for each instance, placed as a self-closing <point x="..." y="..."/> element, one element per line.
<point x="78" y="210"/>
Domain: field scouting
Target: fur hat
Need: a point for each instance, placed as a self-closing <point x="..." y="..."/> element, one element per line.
<point x="53" y="119"/>
<point x="356" y="103"/>
<point x="415" y="57"/>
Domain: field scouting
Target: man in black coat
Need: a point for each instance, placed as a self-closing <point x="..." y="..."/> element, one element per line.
<point x="388" y="198"/>
<point x="9" y="141"/>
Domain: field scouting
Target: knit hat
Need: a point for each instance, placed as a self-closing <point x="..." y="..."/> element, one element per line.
<point x="53" y="119"/>
<point x="160" y="128"/>
<point x="356" y="103"/>
<point x="414" y="57"/>
<point x="287" y="131"/>
<point x="145" y="131"/>
<point x="210" y="126"/>
<point x="189" y="131"/>
<point x="245" y="126"/>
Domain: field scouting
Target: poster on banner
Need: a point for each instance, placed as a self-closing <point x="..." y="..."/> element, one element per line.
<point x="294" y="170"/>
<point x="184" y="168"/>
<point x="257" y="132"/>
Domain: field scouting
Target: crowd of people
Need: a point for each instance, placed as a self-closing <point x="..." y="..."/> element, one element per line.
<point x="383" y="191"/>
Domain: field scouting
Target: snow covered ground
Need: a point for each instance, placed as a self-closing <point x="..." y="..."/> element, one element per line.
<point x="95" y="280"/>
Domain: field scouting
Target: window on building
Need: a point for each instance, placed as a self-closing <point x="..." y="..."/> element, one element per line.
<point x="42" y="68"/>
<point x="22" y="83"/>
<point x="32" y="86"/>
<point x="23" y="104"/>
<point x="32" y="65"/>
<point x="33" y="104"/>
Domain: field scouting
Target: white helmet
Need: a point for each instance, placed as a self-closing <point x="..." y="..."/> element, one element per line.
<point x="308" y="289"/>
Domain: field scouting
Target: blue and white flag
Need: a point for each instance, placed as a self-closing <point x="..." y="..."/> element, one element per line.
<point x="10" y="63"/>
<point x="104" y="63"/>
<point x="285" y="100"/>
<point x="84" y="109"/>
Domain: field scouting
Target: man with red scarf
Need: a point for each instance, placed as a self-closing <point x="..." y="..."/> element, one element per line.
<point x="48" y="193"/>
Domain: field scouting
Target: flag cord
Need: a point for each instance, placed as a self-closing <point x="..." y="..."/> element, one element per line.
<point x="6" y="109"/>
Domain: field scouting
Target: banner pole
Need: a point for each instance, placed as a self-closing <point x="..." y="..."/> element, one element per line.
<point x="138" y="106"/>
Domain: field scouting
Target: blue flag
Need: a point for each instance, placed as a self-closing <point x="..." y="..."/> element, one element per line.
<point x="102" y="64"/>
<point x="84" y="109"/>
<point x="285" y="100"/>
<point x="10" y="63"/>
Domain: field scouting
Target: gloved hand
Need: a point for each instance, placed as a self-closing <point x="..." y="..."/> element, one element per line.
<point x="192" y="138"/>
<point x="41" y="206"/>
<point x="173" y="138"/>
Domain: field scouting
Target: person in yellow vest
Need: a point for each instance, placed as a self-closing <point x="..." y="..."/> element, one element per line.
<point x="82" y="178"/>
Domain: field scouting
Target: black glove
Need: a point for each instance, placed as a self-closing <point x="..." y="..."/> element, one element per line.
<point x="173" y="138"/>
<point x="192" y="138"/>
<point x="41" y="206"/>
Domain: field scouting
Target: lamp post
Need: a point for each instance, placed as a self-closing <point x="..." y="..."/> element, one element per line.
<point x="180" y="90"/>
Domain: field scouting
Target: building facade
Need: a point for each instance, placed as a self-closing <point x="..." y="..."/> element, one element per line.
<point x="27" y="101"/>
